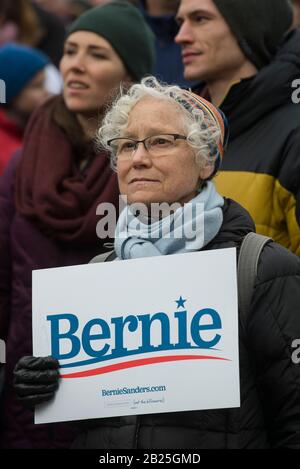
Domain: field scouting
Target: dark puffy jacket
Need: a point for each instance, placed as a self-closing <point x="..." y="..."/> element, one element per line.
<point x="24" y="248"/>
<point x="270" y="383"/>
<point x="261" y="166"/>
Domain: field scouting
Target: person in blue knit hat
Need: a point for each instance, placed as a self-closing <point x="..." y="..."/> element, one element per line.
<point x="22" y="75"/>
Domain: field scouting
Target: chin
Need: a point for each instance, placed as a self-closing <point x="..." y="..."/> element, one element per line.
<point x="139" y="200"/>
<point x="142" y="199"/>
<point x="76" y="105"/>
<point x="195" y="73"/>
<point x="76" y="108"/>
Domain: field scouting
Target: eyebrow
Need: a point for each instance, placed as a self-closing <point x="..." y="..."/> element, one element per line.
<point x="151" y="132"/>
<point x="89" y="46"/>
<point x="196" y="12"/>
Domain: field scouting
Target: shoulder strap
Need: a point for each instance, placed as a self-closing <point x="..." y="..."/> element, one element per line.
<point x="105" y="256"/>
<point x="250" y="251"/>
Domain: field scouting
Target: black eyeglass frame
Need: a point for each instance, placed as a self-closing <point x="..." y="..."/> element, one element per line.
<point x="176" y="137"/>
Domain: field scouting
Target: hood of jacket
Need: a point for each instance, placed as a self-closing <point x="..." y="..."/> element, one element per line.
<point x="268" y="90"/>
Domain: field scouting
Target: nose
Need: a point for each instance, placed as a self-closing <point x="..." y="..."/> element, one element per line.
<point x="77" y="62"/>
<point x="184" y="35"/>
<point x="140" y="156"/>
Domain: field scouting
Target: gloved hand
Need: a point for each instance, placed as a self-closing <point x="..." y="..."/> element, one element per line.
<point x="36" y="380"/>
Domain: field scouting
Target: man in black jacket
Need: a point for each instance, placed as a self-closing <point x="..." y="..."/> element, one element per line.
<point x="248" y="61"/>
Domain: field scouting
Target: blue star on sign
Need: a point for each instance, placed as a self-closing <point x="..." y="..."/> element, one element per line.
<point x="180" y="302"/>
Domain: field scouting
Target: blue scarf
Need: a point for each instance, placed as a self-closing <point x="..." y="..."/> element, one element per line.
<point x="190" y="228"/>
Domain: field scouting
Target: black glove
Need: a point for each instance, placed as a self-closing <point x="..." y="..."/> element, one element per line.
<point x="36" y="380"/>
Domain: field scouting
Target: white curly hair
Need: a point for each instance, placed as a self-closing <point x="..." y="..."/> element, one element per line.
<point x="202" y="131"/>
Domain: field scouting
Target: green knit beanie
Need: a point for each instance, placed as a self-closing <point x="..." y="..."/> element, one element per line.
<point x="124" y="27"/>
<point x="258" y="25"/>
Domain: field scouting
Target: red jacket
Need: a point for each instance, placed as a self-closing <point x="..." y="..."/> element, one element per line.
<point x="10" y="139"/>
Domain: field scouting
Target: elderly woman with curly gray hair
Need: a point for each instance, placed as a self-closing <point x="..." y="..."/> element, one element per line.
<point x="166" y="145"/>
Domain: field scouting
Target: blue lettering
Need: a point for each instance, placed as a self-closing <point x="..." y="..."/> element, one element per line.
<point x="196" y="327"/>
<point x="147" y="321"/>
<point x="204" y="320"/>
<point x="87" y="337"/>
<point x="119" y="332"/>
<point x="56" y="336"/>
<point x="182" y="330"/>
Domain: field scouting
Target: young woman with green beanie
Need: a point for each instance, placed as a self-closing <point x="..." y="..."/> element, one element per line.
<point x="49" y="193"/>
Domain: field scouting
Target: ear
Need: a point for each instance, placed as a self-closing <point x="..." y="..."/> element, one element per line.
<point x="206" y="172"/>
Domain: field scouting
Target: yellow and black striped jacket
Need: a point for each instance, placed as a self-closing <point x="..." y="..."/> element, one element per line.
<point x="261" y="166"/>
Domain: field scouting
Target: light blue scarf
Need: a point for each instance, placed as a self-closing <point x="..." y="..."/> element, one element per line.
<point x="190" y="228"/>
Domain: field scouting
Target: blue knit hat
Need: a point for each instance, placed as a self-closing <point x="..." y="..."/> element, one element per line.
<point x="18" y="65"/>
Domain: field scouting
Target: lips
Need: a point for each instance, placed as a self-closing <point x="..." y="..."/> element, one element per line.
<point x="142" y="180"/>
<point x="77" y="85"/>
<point x="190" y="56"/>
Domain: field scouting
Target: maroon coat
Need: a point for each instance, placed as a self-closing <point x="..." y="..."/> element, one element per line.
<point x="23" y="248"/>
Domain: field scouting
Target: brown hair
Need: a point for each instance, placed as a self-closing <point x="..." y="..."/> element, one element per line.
<point x="23" y="14"/>
<point x="67" y="122"/>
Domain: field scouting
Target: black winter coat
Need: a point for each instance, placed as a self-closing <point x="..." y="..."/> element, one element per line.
<point x="269" y="415"/>
<point x="261" y="166"/>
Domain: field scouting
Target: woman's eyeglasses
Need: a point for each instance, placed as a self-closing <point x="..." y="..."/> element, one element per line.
<point x="156" y="145"/>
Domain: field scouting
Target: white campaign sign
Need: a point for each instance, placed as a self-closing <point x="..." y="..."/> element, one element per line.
<point x="140" y="336"/>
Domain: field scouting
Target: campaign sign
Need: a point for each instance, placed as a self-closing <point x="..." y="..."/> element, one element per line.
<point x="139" y="336"/>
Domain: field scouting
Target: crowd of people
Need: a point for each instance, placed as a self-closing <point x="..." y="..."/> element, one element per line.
<point x="95" y="92"/>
